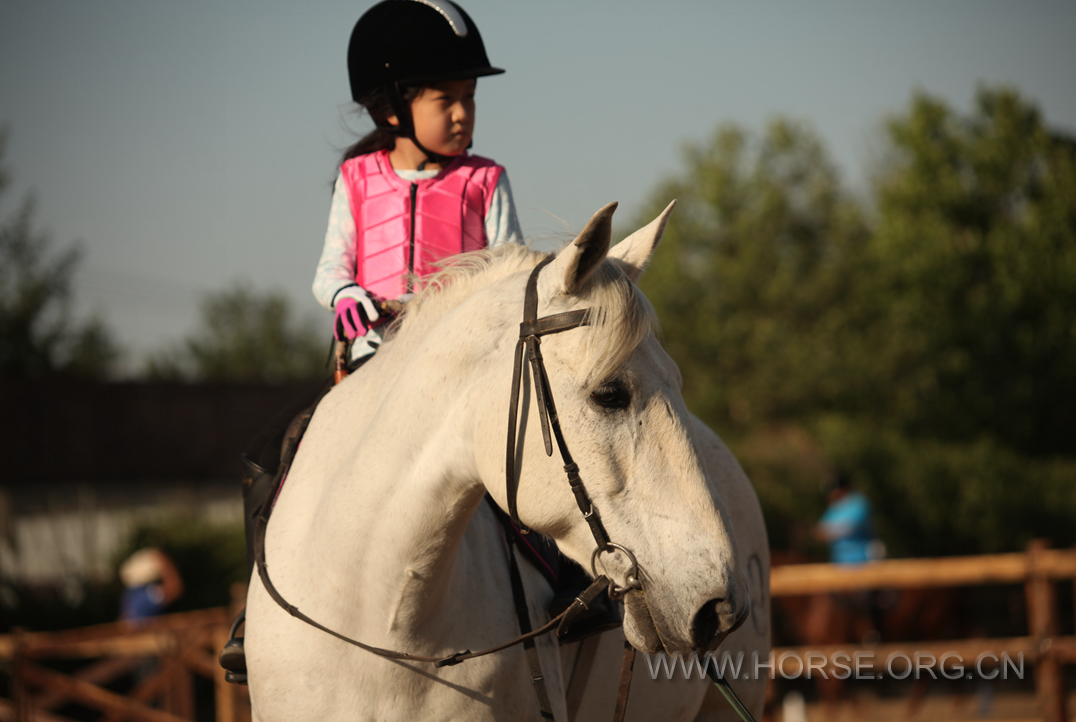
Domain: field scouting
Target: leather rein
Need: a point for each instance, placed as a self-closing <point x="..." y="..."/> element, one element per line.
<point x="530" y="331"/>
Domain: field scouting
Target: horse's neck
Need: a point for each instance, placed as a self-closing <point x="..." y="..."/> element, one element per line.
<point x="389" y="488"/>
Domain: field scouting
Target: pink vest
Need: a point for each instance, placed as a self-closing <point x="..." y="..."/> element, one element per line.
<point x="403" y="226"/>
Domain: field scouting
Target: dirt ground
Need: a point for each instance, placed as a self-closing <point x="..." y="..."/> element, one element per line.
<point x="868" y="708"/>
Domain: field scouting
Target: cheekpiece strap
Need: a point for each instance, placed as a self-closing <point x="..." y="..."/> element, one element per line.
<point x="530" y="331"/>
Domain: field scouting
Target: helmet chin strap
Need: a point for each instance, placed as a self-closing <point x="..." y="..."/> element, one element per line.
<point x="406" y="128"/>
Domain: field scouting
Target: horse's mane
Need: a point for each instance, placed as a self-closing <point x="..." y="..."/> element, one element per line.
<point x="620" y="316"/>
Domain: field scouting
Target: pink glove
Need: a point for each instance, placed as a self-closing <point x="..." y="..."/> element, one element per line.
<point x="356" y="313"/>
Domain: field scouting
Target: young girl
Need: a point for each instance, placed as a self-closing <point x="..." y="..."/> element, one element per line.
<point x="408" y="194"/>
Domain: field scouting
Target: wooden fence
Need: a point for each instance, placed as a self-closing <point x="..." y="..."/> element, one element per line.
<point x="185" y="645"/>
<point x="1038" y="570"/>
<point x="163" y="656"/>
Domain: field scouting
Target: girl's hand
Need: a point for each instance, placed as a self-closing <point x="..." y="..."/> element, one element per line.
<point x="356" y="313"/>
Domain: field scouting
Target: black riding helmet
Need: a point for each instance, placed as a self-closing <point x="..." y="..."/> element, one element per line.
<point x="401" y="43"/>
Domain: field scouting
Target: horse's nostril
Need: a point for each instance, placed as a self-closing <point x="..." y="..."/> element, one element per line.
<point x="707" y="624"/>
<point x="714" y="621"/>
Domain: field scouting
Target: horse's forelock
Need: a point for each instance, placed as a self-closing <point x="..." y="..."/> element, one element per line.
<point x="621" y="317"/>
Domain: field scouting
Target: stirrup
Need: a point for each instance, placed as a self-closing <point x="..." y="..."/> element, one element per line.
<point x="233" y="657"/>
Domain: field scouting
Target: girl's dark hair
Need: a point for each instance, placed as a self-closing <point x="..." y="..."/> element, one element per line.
<point x="377" y="104"/>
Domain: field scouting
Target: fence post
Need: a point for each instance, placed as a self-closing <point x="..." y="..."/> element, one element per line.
<point x="181" y="685"/>
<point x="1042" y="625"/>
<point x="224" y="693"/>
<point x="20" y="693"/>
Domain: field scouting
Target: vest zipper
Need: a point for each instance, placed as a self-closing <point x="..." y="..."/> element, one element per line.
<point x="411" y="252"/>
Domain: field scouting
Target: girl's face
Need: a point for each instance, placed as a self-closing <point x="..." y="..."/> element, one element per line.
<point x="444" y="116"/>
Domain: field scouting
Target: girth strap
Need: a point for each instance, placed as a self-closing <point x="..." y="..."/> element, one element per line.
<point x="523" y="615"/>
<point x="626" y="668"/>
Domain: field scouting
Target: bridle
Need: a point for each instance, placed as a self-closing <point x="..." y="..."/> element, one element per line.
<point x="530" y="331"/>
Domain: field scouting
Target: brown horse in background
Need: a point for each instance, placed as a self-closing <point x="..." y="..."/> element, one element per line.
<point x="865" y="618"/>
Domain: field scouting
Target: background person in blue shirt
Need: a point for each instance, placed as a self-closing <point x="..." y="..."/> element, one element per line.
<point x="151" y="582"/>
<point x="847" y="528"/>
<point x="846" y="524"/>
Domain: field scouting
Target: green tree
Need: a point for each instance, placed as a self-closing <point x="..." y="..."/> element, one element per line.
<point x="758" y="259"/>
<point x="927" y="344"/>
<point x="39" y="335"/>
<point x="966" y="440"/>
<point x="247" y="336"/>
<point x="974" y="275"/>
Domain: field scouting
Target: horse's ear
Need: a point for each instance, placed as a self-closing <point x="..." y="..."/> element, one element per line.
<point x="636" y="250"/>
<point x="572" y="267"/>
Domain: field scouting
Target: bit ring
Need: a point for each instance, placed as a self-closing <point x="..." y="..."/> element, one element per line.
<point x="632" y="582"/>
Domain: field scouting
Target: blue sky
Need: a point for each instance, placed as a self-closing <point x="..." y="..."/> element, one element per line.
<point x="192" y="144"/>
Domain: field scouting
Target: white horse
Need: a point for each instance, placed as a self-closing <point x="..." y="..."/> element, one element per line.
<point x="380" y="533"/>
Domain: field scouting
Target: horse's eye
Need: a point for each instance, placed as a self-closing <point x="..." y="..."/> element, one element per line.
<point x="613" y="395"/>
